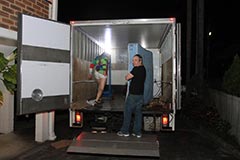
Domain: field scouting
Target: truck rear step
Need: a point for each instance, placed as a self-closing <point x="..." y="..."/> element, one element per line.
<point x="111" y="144"/>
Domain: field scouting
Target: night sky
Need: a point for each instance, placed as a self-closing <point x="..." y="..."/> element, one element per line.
<point x="222" y="21"/>
<point x="71" y="10"/>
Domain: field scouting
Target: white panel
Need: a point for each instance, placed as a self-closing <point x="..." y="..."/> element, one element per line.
<point x="157" y="76"/>
<point x="167" y="48"/>
<point x="45" y="33"/>
<point x="118" y="77"/>
<point x="8" y="37"/>
<point x="7" y="50"/>
<point x="157" y="69"/>
<point x="48" y="76"/>
<point x="156" y="65"/>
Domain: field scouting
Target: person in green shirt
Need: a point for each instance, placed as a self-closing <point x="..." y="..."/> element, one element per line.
<point x="99" y="67"/>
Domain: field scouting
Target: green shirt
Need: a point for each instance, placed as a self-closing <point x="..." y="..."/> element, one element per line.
<point x="100" y="64"/>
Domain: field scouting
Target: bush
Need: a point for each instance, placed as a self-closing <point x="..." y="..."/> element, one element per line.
<point x="8" y="73"/>
<point x="206" y="116"/>
<point x="231" y="79"/>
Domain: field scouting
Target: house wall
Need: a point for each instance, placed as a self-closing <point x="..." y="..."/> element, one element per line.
<point x="9" y="10"/>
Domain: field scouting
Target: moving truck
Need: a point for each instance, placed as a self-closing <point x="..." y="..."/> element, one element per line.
<point x="53" y="66"/>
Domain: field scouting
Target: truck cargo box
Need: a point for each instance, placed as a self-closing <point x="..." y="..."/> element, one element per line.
<point x="53" y="62"/>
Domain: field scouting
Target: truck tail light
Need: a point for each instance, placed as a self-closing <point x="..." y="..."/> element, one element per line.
<point x="165" y="120"/>
<point x="78" y="118"/>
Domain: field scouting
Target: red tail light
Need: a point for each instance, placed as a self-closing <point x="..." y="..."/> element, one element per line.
<point x="78" y="117"/>
<point x="165" y="120"/>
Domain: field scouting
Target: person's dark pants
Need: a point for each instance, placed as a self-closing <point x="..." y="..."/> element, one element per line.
<point x="134" y="105"/>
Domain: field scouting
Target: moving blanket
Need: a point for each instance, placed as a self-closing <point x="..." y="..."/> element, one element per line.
<point x="135" y="48"/>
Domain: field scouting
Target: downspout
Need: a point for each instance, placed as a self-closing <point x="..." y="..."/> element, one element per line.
<point x="53" y="9"/>
<point x="53" y="12"/>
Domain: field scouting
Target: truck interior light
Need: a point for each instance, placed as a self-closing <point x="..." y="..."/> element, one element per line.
<point x="172" y="19"/>
<point x="72" y="22"/>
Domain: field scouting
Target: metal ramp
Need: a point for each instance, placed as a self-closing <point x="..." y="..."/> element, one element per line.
<point x="111" y="144"/>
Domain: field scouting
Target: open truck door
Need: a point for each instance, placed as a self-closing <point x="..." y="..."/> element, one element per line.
<point x="43" y="82"/>
<point x="178" y="68"/>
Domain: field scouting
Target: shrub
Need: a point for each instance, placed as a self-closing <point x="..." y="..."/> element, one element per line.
<point x="231" y="79"/>
<point x="8" y="71"/>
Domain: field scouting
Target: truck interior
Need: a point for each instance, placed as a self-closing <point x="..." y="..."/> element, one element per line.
<point x="91" y="38"/>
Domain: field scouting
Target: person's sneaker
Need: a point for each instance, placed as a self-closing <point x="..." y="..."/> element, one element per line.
<point x="137" y="135"/>
<point x="98" y="102"/>
<point x="121" y="134"/>
<point x="91" y="102"/>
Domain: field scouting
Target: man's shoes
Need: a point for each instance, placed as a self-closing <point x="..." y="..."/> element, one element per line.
<point x="98" y="102"/>
<point x="137" y="135"/>
<point x="91" y="102"/>
<point x="121" y="134"/>
<point x="94" y="103"/>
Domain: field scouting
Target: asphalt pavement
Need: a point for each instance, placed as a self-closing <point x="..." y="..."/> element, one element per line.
<point x="187" y="142"/>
